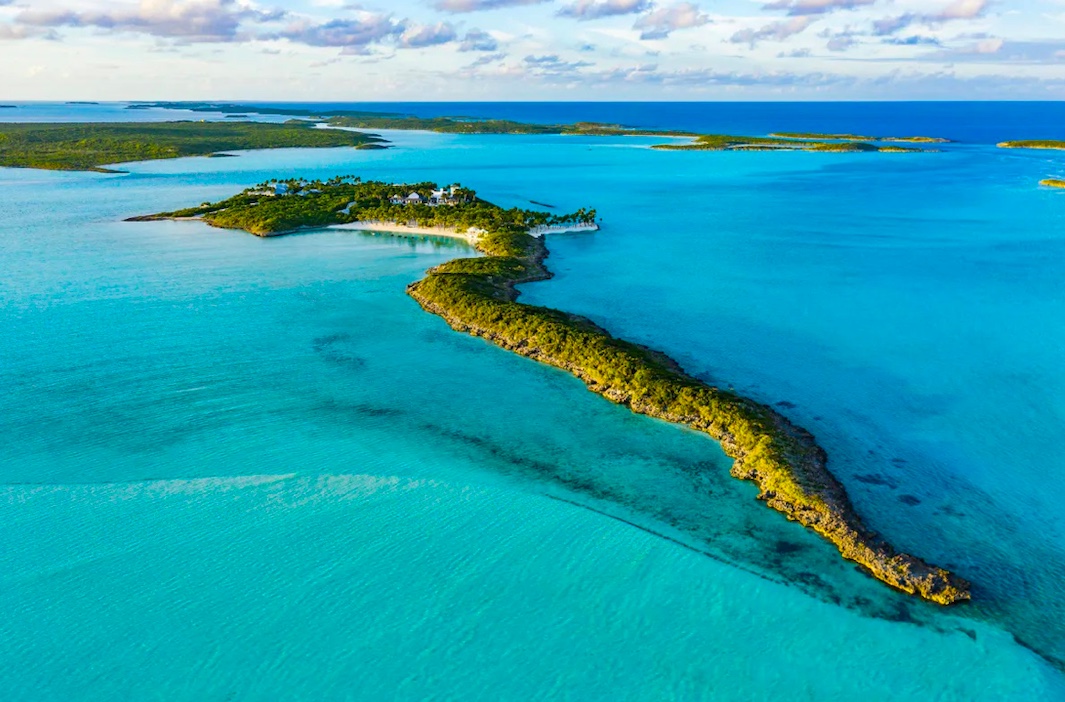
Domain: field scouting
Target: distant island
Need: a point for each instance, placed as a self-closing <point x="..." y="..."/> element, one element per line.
<point x="455" y="125"/>
<point x="1033" y="144"/>
<point x="90" y="146"/>
<point x="478" y="296"/>
<point x="856" y="137"/>
<point x="1053" y="183"/>
<point x="726" y="142"/>
<point x="81" y="102"/>
<point x="8" y="107"/>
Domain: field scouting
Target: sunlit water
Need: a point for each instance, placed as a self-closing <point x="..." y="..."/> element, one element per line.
<point x="240" y="468"/>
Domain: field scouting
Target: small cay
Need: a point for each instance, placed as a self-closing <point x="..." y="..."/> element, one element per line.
<point x="1052" y="144"/>
<point x="478" y="296"/>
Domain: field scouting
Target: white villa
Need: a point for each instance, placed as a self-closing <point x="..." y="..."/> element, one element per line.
<point x="444" y="196"/>
<point x="276" y="189"/>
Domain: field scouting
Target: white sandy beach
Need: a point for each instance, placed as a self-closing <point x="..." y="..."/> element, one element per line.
<point x="396" y="228"/>
<point x="469" y="235"/>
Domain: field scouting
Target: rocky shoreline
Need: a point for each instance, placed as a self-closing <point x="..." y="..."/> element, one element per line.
<point x="784" y="460"/>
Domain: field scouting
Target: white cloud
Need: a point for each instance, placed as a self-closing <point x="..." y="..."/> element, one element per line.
<point x="660" y="22"/>
<point x="774" y="31"/>
<point x="479" y="5"/>
<point x="595" y="9"/>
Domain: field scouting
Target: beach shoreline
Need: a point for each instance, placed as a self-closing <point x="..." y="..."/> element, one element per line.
<point x="469" y="236"/>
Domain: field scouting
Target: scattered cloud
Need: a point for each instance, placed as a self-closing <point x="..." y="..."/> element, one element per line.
<point x="551" y="66"/>
<point x="839" y="41"/>
<point x="459" y="6"/>
<point x="476" y="40"/>
<point x="774" y="31"/>
<point x="486" y="60"/>
<point x="914" y="40"/>
<point x="660" y="22"/>
<point x="428" y="35"/>
<point x="957" y="10"/>
<point x="816" y="7"/>
<point x="584" y="10"/>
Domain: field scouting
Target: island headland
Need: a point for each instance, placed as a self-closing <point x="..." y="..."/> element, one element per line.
<point x="478" y="296"/>
<point x="1053" y="182"/>
<point x="91" y="146"/>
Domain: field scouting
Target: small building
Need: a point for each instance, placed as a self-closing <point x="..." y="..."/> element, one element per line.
<point x="415" y="199"/>
<point x="396" y="199"/>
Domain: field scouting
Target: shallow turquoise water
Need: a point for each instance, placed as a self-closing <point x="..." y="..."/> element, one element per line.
<point x="254" y="468"/>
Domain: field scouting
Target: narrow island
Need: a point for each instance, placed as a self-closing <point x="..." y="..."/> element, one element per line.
<point x="727" y="142"/>
<point x="1033" y="144"/>
<point x="1053" y="182"/>
<point x="478" y="296"/>
<point x="91" y="146"/>
<point x="856" y="137"/>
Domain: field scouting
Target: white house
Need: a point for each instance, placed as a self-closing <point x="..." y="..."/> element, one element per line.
<point x="396" y="199"/>
<point x="415" y="199"/>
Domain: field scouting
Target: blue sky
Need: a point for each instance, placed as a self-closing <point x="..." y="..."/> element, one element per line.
<point x="532" y="49"/>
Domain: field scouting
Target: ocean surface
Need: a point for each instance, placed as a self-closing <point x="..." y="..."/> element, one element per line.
<point x="243" y="468"/>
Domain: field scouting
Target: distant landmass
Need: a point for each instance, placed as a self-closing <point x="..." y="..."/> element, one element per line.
<point x="90" y="146"/>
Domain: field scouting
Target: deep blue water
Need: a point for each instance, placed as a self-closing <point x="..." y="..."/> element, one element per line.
<point x="245" y="468"/>
<point x="973" y="122"/>
<point x="967" y="122"/>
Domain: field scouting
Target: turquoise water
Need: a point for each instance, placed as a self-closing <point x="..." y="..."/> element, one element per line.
<point x="238" y="468"/>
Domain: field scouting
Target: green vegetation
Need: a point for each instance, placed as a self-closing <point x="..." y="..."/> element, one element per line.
<point x="1033" y="144"/>
<point x="454" y="125"/>
<point x="277" y="207"/>
<point x="1053" y="183"/>
<point x="228" y="107"/>
<point x="856" y="137"/>
<point x="447" y="125"/>
<point x="90" y="146"/>
<point x="478" y="296"/>
<point x="726" y="142"/>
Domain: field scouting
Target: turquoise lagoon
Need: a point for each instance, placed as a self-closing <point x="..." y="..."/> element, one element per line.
<point x="237" y="468"/>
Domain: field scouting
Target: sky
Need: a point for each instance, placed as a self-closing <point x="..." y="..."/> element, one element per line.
<point x="444" y="50"/>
